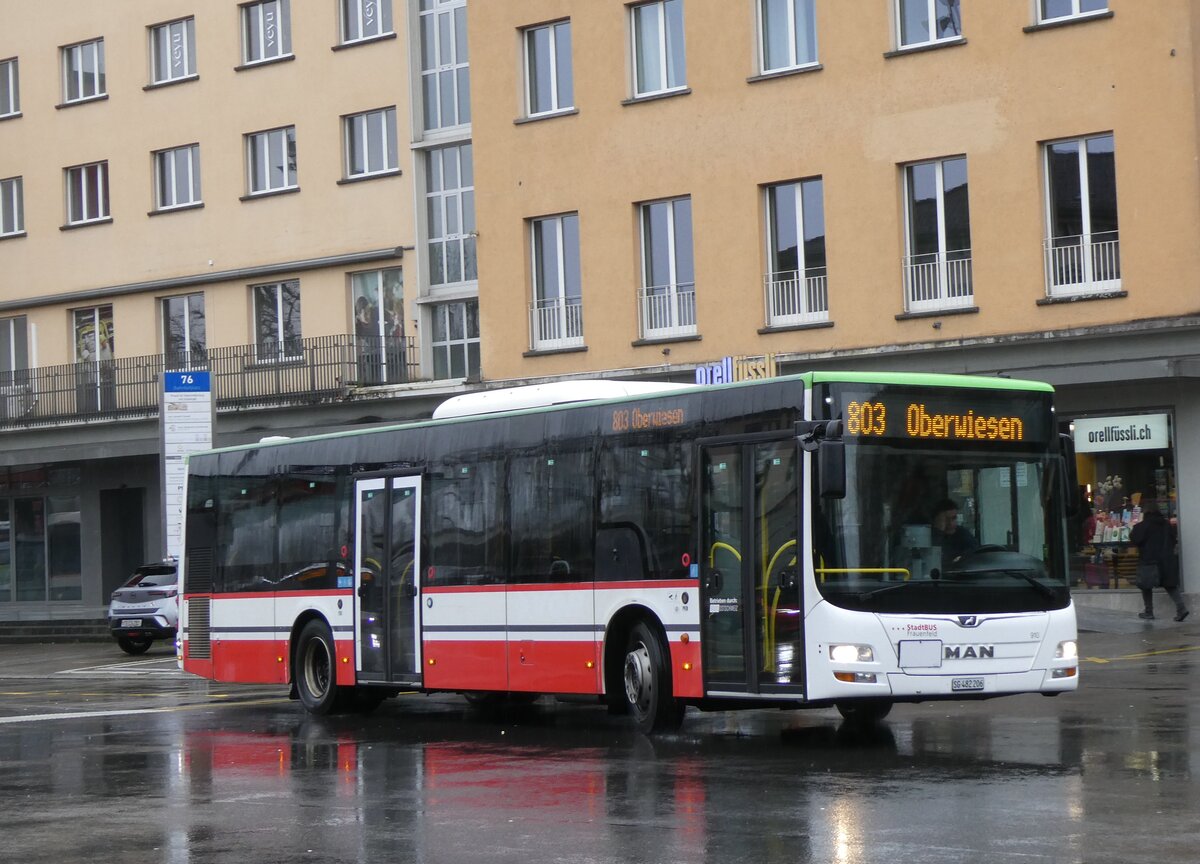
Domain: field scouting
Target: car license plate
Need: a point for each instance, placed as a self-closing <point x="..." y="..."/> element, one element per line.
<point x="958" y="685"/>
<point x="131" y="622"/>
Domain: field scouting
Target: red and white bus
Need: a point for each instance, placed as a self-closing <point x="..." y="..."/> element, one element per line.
<point x="760" y="543"/>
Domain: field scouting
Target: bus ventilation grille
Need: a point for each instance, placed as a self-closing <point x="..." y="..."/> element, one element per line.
<point x="199" y="570"/>
<point x="199" y="637"/>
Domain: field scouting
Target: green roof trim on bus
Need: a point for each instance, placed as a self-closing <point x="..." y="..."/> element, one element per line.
<point x="808" y="379"/>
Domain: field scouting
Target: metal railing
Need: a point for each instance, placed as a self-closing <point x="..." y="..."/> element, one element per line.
<point x="556" y="322"/>
<point x="1083" y="264"/>
<point x="667" y="310"/>
<point x="796" y="298"/>
<point x="938" y="280"/>
<point x="306" y="371"/>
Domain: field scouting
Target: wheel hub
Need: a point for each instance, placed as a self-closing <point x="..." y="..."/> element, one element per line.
<point x="637" y="675"/>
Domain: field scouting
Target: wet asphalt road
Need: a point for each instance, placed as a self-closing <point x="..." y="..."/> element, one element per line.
<point x="106" y="758"/>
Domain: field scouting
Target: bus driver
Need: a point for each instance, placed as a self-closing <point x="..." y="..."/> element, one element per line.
<point x="955" y="540"/>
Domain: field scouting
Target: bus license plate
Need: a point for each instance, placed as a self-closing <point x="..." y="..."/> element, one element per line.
<point x="131" y="622"/>
<point x="959" y="685"/>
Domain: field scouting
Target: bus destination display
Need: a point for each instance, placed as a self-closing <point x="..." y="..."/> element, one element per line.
<point x="973" y="416"/>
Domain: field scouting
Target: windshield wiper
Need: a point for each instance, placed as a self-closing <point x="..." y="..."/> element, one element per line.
<point x="1042" y="588"/>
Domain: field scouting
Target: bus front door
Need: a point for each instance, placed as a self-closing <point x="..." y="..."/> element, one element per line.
<point x="751" y="626"/>
<point x="387" y="548"/>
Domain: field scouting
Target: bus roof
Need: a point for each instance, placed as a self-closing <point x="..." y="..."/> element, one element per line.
<point x="545" y="395"/>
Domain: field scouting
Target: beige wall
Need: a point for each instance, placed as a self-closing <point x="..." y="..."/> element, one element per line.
<point x="993" y="99"/>
<point x="311" y="92"/>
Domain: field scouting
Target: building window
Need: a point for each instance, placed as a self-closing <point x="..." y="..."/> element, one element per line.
<point x="14" y="353"/>
<point x="95" y="340"/>
<point x="1057" y="10"/>
<point x="173" y="51"/>
<point x="12" y="206"/>
<point x="183" y="331"/>
<point x="378" y="298"/>
<point x="922" y="22"/>
<point x="550" y="82"/>
<point x="365" y="19"/>
<point x="455" y="341"/>
<point x="371" y="143"/>
<point x="271" y="160"/>
<point x="659" y="61"/>
<point x="787" y="34"/>
<point x="10" y="88"/>
<point x="445" y="78"/>
<point x="556" y="313"/>
<point x="83" y="71"/>
<point x="937" y="268"/>
<point x="796" y="282"/>
<point x="450" y="209"/>
<point x="87" y="193"/>
<point x="40" y="549"/>
<point x="277" y="321"/>
<point x="266" y="31"/>
<point x="1083" y="254"/>
<point x="667" y="302"/>
<point x="177" y="177"/>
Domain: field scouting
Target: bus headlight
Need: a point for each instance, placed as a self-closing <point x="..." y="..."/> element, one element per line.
<point x="1066" y="650"/>
<point x="851" y="653"/>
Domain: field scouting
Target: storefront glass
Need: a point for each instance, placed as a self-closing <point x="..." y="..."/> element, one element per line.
<point x="1124" y="462"/>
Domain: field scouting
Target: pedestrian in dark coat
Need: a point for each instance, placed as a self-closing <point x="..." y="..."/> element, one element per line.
<point x="1155" y="539"/>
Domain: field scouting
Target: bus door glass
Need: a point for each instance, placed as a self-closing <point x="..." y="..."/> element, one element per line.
<point x="387" y="544"/>
<point x="752" y="628"/>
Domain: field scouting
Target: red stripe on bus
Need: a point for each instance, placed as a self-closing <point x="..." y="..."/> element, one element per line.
<point x="453" y="665"/>
<point x="642" y="585"/>
<point x="272" y="595"/>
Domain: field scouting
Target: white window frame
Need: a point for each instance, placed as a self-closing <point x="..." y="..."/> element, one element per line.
<point x="673" y="312"/>
<point x="662" y="48"/>
<point x="187" y="354"/>
<point x="450" y="214"/>
<point x="13" y="360"/>
<point x="262" y="349"/>
<point x="556" y="30"/>
<point x="98" y="80"/>
<point x="555" y="317"/>
<point x="12" y="199"/>
<point x="793" y="8"/>
<point x="368" y="19"/>
<point x="1096" y="267"/>
<point x="454" y="341"/>
<point x="93" y="176"/>
<point x="445" y="75"/>
<point x="943" y="283"/>
<point x="798" y="297"/>
<point x="10" y="88"/>
<point x="172" y="163"/>
<point x="1075" y="12"/>
<point x="173" y="41"/>
<point x="269" y="143"/>
<point x="359" y="143"/>
<point x="930" y="24"/>
<point x="260" y="50"/>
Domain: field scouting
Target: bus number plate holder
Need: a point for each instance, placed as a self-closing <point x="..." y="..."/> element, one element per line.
<point x="920" y="653"/>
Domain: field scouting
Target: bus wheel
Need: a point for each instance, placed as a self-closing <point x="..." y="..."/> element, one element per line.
<point x="865" y="711"/>
<point x="648" y="683"/>
<point x="133" y="646"/>
<point x="315" y="669"/>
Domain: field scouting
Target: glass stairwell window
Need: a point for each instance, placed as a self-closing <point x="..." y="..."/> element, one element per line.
<point x="796" y="281"/>
<point x="556" y="313"/>
<point x="937" y="268"/>
<point x="1083" y="253"/>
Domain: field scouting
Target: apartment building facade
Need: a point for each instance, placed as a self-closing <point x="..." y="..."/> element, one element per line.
<point x="345" y="210"/>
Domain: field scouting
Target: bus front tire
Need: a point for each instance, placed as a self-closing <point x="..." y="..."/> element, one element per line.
<point x="647" y="680"/>
<point x="316" y="669"/>
<point x="864" y="711"/>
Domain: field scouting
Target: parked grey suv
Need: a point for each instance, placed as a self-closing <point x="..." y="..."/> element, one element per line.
<point x="145" y="608"/>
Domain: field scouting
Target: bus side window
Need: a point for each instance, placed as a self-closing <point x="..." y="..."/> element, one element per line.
<point x="465" y="515"/>
<point x="246" y="523"/>
<point x="552" y="499"/>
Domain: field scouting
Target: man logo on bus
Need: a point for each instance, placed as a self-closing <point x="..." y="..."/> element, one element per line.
<point x="968" y="620"/>
<point x="969" y="652"/>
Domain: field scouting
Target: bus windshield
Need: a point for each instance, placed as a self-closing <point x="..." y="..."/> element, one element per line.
<point x="933" y="524"/>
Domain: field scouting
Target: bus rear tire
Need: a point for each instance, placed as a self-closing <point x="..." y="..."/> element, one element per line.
<point x="865" y="711"/>
<point x="316" y="670"/>
<point x="647" y="679"/>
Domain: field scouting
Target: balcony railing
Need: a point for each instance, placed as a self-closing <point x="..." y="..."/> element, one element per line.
<point x="665" y="311"/>
<point x="938" y="280"/>
<point x="1083" y="264"/>
<point x="793" y="297"/>
<point x="556" y="323"/>
<point x="306" y="371"/>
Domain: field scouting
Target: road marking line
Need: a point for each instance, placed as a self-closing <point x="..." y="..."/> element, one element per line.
<point x="123" y="667"/>
<point x="82" y="715"/>
<point x="1142" y="655"/>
